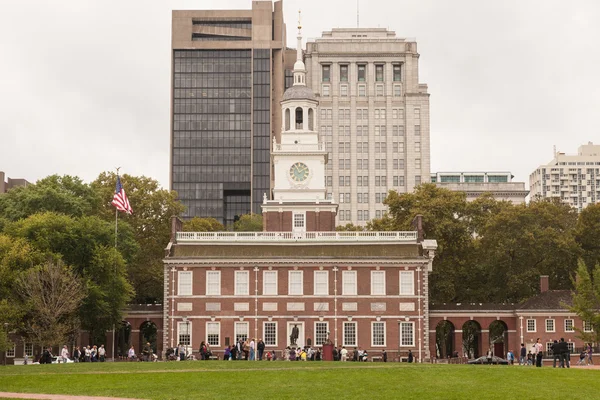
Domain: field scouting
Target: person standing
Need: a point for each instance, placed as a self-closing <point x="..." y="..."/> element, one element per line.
<point x="410" y="356"/>
<point x="102" y="353"/>
<point x="344" y="354"/>
<point x="589" y="354"/>
<point x="181" y="350"/>
<point x="87" y="354"/>
<point x="240" y="348"/>
<point x="384" y="356"/>
<point x="64" y="354"/>
<point x="131" y="354"/>
<point x="261" y="349"/>
<point x="523" y="355"/>
<point x="252" y="349"/>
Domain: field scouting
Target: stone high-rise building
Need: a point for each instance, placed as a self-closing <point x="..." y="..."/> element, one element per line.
<point x="373" y="117"/>
<point x="575" y="179"/>
<point x="475" y="184"/>
<point x="227" y="81"/>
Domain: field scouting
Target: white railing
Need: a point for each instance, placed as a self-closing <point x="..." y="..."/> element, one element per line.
<point x="187" y="237"/>
<point x="299" y="147"/>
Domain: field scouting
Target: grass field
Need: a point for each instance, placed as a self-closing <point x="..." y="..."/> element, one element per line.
<point x="301" y="380"/>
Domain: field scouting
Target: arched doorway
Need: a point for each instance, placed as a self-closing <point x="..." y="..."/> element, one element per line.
<point x="499" y="338"/>
<point x="148" y="333"/>
<point x="444" y="339"/>
<point x="471" y="339"/>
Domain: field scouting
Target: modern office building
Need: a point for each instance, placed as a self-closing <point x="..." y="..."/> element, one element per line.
<point x="226" y="84"/>
<point x="8" y="183"/>
<point x="575" y="179"/>
<point x="474" y="184"/>
<point x="373" y="116"/>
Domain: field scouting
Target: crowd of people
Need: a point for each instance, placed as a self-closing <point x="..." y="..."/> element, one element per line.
<point x="559" y="350"/>
<point x="87" y="354"/>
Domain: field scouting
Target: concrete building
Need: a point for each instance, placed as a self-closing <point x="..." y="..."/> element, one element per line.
<point x="373" y="117"/>
<point x="227" y="81"/>
<point x="573" y="178"/>
<point x="8" y="183"/>
<point x="474" y="184"/>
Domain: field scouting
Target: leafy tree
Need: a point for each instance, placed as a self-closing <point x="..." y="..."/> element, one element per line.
<point x="197" y="224"/>
<point x="586" y="300"/>
<point x="52" y="294"/>
<point x="60" y="194"/>
<point x="349" y="227"/>
<point x="16" y="255"/>
<point x="10" y="317"/>
<point x="249" y="223"/>
<point x="588" y="234"/>
<point x="150" y="224"/>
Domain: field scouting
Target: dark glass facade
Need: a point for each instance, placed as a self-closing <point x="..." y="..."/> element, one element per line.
<point x="212" y="137"/>
<point x="261" y="125"/>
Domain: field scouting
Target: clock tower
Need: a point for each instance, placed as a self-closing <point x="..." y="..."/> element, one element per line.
<point x="300" y="202"/>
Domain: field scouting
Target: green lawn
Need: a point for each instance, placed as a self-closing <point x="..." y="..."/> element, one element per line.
<point x="301" y="380"/>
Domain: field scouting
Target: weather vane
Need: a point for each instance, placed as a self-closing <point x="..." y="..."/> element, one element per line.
<point x="299" y="24"/>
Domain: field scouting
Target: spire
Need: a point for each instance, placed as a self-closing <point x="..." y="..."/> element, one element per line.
<point x="299" y="68"/>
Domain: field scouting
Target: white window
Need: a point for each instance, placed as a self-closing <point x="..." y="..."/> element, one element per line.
<point x="587" y="326"/>
<point x="407" y="284"/>
<point x="321" y="283"/>
<point x="11" y="352"/>
<point x="241" y="283"/>
<point x="348" y="283"/>
<point x="298" y="220"/>
<point x="349" y="334"/>
<point x="571" y="347"/>
<point x="377" y="283"/>
<point x="241" y="331"/>
<point x="213" y="283"/>
<point x="550" y="325"/>
<point x="379" y="90"/>
<point x="325" y="90"/>
<point x="270" y="283"/>
<point x="362" y="90"/>
<point x="28" y="349"/>
<point x="407" y="334"/>
<point x="213" y="333"/>
<point x="184" y="334"/>
<point x="321" y="329"/>
<point x="344" y="90"/>
<point x="569" y="325"/>
<point x="184" y="283"/>
<point x="377" y="333"/>
<point x="270" y="333"/>
<point x="295" y="287"/>
<point x="397" y="90"/>
<point x="531" y="325"/>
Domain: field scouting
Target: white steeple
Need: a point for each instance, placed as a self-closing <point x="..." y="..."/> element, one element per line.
<point x="299" y="67"/>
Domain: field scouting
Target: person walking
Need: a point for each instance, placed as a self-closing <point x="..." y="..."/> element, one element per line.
<point x="101" y="353"/>
<point x="523" y="355"/>
<point x="261" y="349"/>
<point x="76" y="354"/>
<point x="589" y="354"/>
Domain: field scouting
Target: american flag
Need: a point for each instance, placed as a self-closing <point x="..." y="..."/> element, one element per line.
<point x="120" y="199"/>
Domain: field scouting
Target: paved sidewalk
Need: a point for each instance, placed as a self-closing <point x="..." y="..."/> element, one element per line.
<point x="8" y="395"/>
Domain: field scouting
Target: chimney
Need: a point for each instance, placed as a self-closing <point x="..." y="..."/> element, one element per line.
<point x="544" y="283"/>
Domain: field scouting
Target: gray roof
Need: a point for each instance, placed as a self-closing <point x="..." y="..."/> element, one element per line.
<point x="299" y="93"/>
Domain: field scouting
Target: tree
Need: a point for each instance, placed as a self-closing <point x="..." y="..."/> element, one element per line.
<point x="249" y="223"/>
<point x="52" y="294"/>
<point x="197" y="224"/>
<point x="349" y="227"/>
<point x="10" y="317"/>
<point x="586" y="300"/>
<point x="153" y="208"/>
<point x="588" y="234"/>
<point x="66" y="194"/>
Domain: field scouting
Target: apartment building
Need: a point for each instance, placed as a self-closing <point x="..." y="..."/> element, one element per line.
<point x="474" y="184"/>
<point x="573" y="178"/>
<point x="373" y="117"/>
<point x="8" y="183"/>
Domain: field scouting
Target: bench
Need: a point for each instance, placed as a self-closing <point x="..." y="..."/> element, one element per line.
<point x="376" y="358"/>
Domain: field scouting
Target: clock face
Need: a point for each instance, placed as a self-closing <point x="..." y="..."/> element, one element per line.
<point x="299" y="172"/>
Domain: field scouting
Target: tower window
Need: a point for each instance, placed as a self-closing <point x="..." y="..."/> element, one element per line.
<point x="299" y="123"/>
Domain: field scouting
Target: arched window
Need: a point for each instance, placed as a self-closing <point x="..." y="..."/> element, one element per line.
<point x="299" y="119"/>
<point x="311" y="118"/>
<point x="287" y="119"/>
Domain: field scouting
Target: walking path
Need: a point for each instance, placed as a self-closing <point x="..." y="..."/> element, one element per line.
<point x="35" y="396"/>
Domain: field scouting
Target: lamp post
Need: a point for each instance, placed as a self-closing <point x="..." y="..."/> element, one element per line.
<point x="5" y="330"/>
<point x="189" y="335"/>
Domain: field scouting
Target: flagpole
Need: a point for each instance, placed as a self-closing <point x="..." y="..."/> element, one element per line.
<point x="115" y="272"/>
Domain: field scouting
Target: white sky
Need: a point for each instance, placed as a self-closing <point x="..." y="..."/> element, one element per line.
<point x="84" y="85"/>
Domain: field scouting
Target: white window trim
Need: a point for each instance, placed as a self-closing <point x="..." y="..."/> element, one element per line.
<point x="412" y="280"/>
<point x="326" y="292"/>
<point x="235" y="284"/>
<point x="25" y="349"/>
<point x="218" y="291"/>
<point x="235" y="329"/>
<point x="265" y="333"/>
<point x="344" y="275"/>
<point x="534" y="325"/>
<point x="206" y="330"/>
<point x="14" y="352"/>
<point x="179" y="280"/>
<point x="572" y="325"/>
<point x="372" y="281"/>
<point x="588" y="330"/>
<point x="264" y="283"/>
<point x="355" y="334"/>
<point x="553" y="325"/>
<point x="290" y="283"/>
<point x="384" y="334"/>
<point x="413" y="334"/>
<point x="188" y="324"/>
<point x="315" y="331"/>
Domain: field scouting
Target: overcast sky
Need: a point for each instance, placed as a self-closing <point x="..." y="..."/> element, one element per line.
<point x="84" y="85"/>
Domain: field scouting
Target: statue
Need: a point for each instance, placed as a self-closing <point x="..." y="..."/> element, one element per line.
<point x="294" y="335"/>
